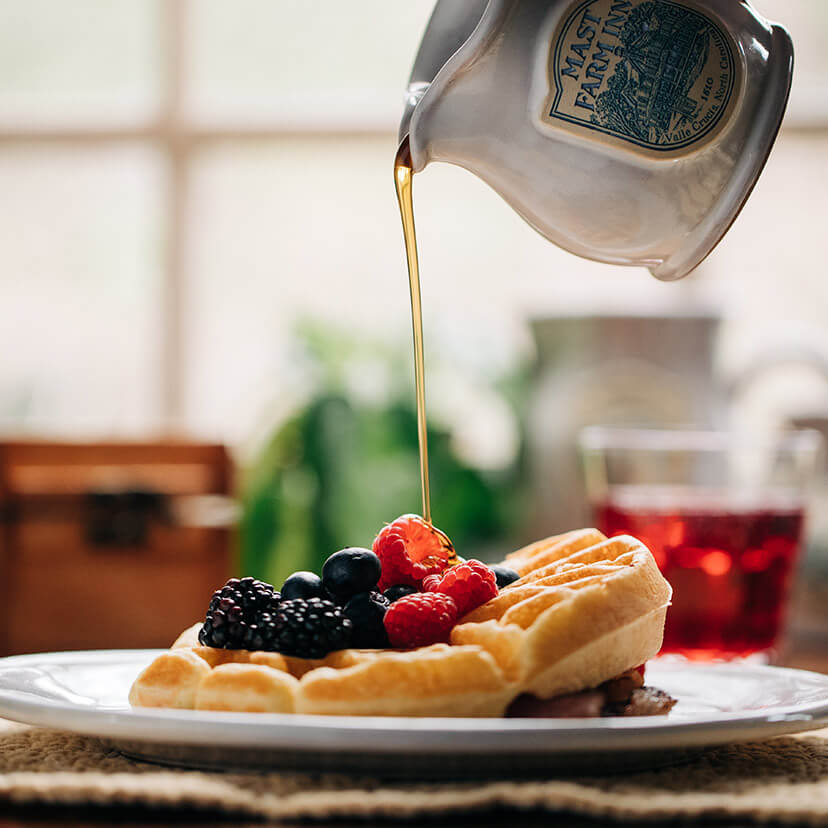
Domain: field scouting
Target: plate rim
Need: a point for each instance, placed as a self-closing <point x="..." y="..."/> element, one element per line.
<point x="302" y="732"/>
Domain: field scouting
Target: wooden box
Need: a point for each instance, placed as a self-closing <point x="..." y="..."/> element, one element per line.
<point x="109" y="544"/>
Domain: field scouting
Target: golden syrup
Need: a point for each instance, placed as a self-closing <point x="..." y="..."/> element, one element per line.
<point x="402" y="182"/>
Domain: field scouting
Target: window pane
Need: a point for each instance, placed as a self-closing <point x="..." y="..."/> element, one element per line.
<point x="771" y="263"/>
<point x="66" y="62"/>
<point x="768" y="278"/>
<point x="293" y="59"/>
<point x="310" y="227"/>
<point x="79" y="231"/>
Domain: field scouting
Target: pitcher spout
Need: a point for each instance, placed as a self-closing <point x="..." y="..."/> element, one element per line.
<point x="449" y="26"/>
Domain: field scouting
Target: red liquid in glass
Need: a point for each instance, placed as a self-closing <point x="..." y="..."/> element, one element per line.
<point x="730" y="569"/>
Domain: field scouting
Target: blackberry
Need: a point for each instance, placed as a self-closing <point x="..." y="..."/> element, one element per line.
<point x="310" y="628"/>
<point x="240" y="616"/>
<point x="366" y="611"/>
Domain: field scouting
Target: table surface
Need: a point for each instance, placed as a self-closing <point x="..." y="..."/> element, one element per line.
<point x="808" y="655"/>
<point x="17" y="817"/>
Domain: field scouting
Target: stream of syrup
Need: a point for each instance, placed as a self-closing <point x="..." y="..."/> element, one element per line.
<point x="403" y="175"/>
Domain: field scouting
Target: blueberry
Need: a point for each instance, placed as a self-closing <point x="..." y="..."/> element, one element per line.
<point x="327" y="595"/>
<point x="302" y="585"/>
<point x="503" y="575"/>
<point x="394" y="593"/>
<point x="350" y="571"/>
<point x="366" y="611"/>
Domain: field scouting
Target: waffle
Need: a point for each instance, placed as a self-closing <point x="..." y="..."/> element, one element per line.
<point x="586" y="609"/>
<point x="577" y="619"/>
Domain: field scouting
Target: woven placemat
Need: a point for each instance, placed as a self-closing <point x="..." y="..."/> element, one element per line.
<point x="783" y="780"/>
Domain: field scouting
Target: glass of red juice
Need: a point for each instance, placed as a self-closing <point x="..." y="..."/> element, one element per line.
<point x="724" y="518"/>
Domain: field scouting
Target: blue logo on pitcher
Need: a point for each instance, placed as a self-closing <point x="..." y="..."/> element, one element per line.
<point x="656" y="73"/>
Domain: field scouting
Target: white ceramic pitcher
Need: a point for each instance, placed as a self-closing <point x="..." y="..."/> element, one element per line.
<point x="626" y="131"/>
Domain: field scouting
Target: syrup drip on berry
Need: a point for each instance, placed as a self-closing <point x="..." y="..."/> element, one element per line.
<point x="447" y="545"/>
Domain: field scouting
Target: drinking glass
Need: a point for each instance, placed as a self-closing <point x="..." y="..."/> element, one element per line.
<point x="723" y="515"/>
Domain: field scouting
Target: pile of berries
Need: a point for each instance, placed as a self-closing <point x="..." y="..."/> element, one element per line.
<point x="409" y="590"/>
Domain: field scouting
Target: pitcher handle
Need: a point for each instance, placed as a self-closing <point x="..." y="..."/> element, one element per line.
<point x="806" y="353"/>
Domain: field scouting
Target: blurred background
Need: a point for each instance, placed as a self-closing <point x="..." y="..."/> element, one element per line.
<point x="206" y="363"/>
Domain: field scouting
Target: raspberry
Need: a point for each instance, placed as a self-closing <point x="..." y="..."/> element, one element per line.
<point x="421" y="619"/>
<point x="409" y="549"/>
<point x="470" y="584"/>
<point x="431" y="582"/>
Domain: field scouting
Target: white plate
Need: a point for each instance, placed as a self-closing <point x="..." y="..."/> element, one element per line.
<point x="86" y="692"/>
